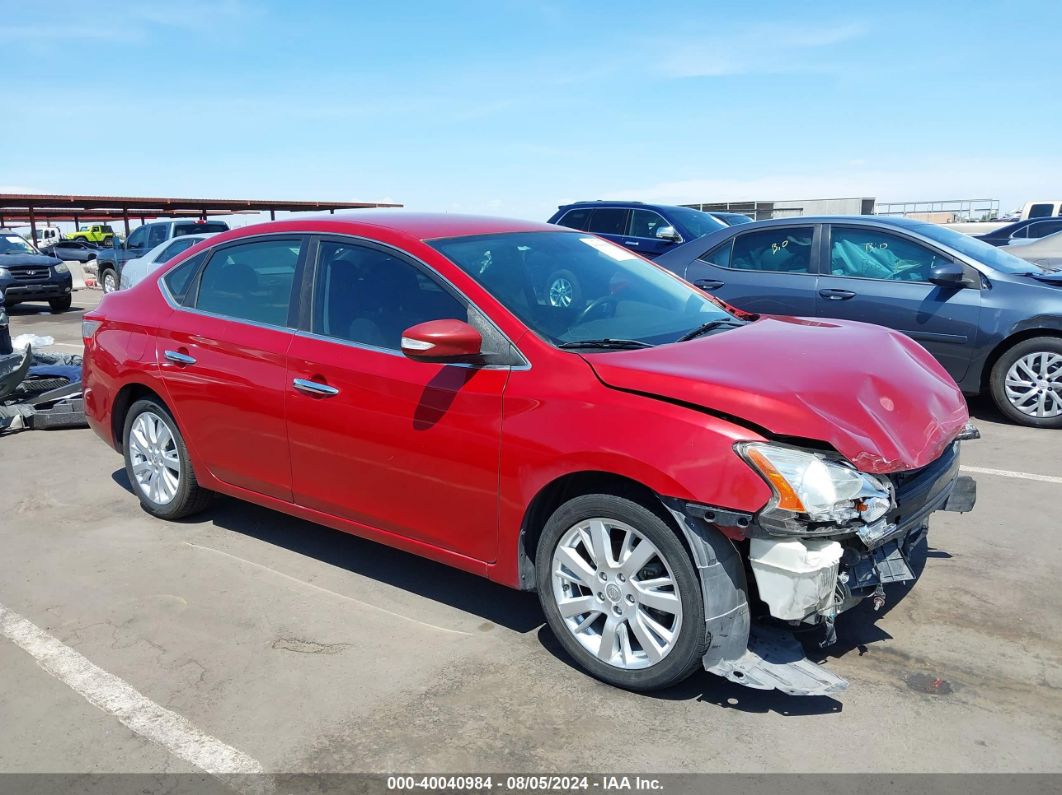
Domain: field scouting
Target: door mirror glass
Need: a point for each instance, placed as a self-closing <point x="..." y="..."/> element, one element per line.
<point x="668" y="233"/>
<point x="947" y="274"/>
<point x="442" y="341"/>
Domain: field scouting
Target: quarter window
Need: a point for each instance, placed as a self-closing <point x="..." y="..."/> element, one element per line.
<point x="644" y="223"/>
<point x="609" y="221"/>
<point x="368" y="296"/>
<point x="251" y="281"/>
<point x="179" y="279"/>
<point x="872" y="254"/>
<point x="784" y="249"/>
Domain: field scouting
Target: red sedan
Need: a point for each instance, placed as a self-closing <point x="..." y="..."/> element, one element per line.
<point x="667" y="473"/>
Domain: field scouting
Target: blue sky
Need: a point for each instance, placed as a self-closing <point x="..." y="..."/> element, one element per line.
<point x="511" y="108"/>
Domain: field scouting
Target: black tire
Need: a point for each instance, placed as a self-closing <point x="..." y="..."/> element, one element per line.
<point x="190" y="497"/>
<point x="997" y="380"/>
<point x="104" y="275"/>
<point x="61" y="304"/>
<point x="573" y="291"/>
<point x="684" y="657"/>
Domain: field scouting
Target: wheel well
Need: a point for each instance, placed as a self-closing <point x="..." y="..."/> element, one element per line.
<point x="1009" y="343"/>
<point x="127" y="396"/>
<point x="565" y="488"/>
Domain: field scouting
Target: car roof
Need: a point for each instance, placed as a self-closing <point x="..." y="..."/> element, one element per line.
<point x="616" y="203"/>
<point x="885" y="220"/>
<point x="419" y="226"/>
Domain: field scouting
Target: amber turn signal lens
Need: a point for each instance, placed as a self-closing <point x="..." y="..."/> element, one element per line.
<point x="787" y="498"/>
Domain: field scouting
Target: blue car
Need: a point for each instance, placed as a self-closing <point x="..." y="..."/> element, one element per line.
<point x="649" y="229"/>
<point x="992" y="320"/>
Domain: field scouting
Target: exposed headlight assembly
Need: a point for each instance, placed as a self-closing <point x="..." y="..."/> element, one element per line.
<point x="810" y="487"/>
<point x="5" y="274"/>
<point x="61" y="268"/>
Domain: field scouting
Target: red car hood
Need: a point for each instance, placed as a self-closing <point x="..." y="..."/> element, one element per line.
<point x="873" y="394"/>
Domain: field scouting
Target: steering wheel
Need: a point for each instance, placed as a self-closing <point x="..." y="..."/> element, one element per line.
<point x="596" y="304"/>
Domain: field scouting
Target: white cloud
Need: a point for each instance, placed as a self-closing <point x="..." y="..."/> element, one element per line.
<point x="762" y="49"/>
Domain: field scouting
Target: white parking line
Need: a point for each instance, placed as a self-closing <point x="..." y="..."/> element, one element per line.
<point x="331" y="593"/>
<point x="1006" y="473"/>
<point x="120" y="699"/>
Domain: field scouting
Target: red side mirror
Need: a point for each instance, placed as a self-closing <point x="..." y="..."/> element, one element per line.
<point x="442" y="341"/>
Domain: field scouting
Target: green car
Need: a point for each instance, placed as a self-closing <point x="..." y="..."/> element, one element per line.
<point x="93" y="233"/>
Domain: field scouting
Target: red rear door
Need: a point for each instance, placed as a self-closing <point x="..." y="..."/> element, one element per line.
<point x="223" y="361"/>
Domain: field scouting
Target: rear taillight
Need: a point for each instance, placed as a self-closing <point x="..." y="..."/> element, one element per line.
<point x="89" y="328"/>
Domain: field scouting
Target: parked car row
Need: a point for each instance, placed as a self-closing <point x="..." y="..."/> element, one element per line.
<point x="993" y="320"/>
<point x="142" y="240"/>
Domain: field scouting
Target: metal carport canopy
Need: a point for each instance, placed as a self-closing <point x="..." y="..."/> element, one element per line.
<point x="34" y="205"/>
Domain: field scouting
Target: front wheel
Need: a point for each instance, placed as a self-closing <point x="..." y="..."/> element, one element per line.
<point x="1026" y="382"/>
<point x="157" y="463"/>
<point x="60" y="304"/>
<point x="109" y="280"/>
<point x="620" y="592"/>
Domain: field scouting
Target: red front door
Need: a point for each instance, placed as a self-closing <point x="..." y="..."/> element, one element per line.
<point x="405" y="447"/>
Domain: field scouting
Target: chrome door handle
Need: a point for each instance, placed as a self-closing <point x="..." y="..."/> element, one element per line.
<point x="315" y="388"/>
<point x="179" y="358"/>
<point x="836" y="295"/>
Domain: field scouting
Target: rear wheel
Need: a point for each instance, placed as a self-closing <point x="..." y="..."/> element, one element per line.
<point x="620" y="592"/>
<point x="157" y="463"/>
<point x="60" y="304"/>
<point x="1026" y="382"/>
<point x="563" y="289"/>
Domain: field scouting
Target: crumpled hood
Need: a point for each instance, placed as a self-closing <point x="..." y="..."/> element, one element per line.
<point x="873" y="394"/>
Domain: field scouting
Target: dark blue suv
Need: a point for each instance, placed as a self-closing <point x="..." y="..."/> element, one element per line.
<point x="649" y="229"/>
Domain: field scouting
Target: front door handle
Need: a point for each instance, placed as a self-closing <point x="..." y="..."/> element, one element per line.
<point x="630" y="242"/>
<point x="836" y="295"/>
<point x="708" y="284"/>
<point x="179" y="358"/>
<point x="315" y="388"/>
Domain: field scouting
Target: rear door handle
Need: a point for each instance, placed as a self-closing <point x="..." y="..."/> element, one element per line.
<point x="630" y="242"/>
<point x="315" y="388"/>
<point x="708" y="284"/>
<point x="836" y="295"/>
<point x="179" y="358"/>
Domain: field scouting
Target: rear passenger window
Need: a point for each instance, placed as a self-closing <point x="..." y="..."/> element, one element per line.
<point x="156" y="235"/>
<point x="367" y="296"/>
<point x="180" y="278"/>
<point x="783" y="249"/>
<point x="251" y="281"/>
<point x="609" y="221"/>
<point x="576" y="219"/>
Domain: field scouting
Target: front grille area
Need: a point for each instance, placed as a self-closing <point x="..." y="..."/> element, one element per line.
<point x="30" y="275"/>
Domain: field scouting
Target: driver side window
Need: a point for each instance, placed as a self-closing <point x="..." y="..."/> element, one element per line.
<point x="137" y="237"/>
<point x="873" y="254"/>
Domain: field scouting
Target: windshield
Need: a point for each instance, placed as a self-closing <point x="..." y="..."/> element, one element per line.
<point x="976" y="249"/>
<point x="13" y="244"/>
<point x="699" y="224"/>
<point x="568" y="287"/>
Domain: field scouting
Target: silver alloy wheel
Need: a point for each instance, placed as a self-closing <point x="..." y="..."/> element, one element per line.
<point x="110" y="281"/>
<point x="616" y="593"/>
<point x="156" y="462"/>
<point x="1034" y="383"/>
<point x="561" y="293"/>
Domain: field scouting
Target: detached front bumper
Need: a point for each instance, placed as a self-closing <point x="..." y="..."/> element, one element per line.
<point x="807" y="581"/>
